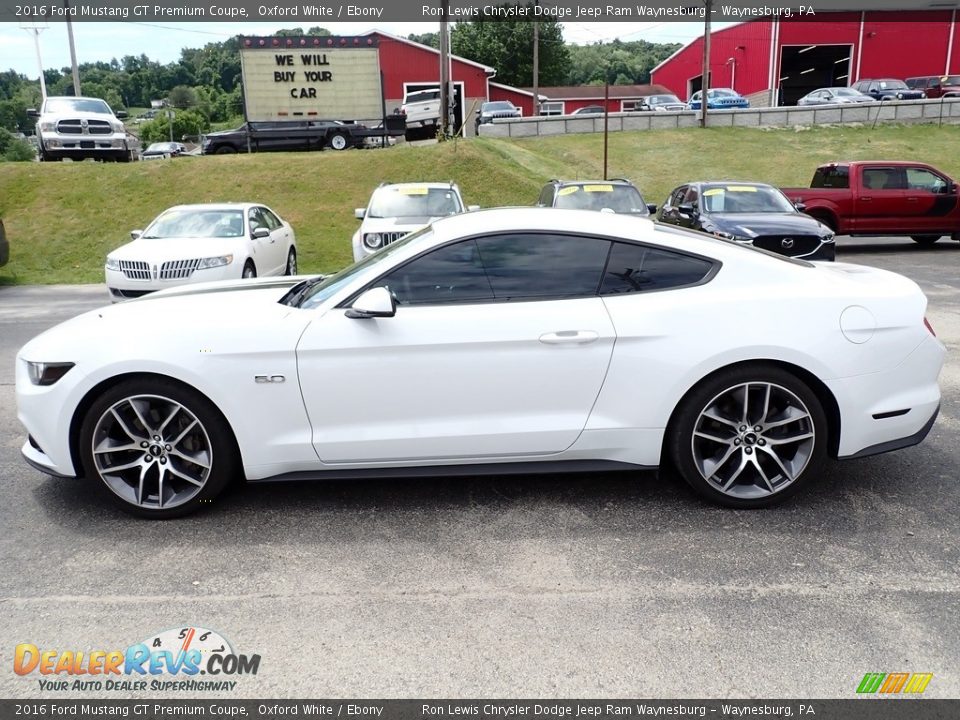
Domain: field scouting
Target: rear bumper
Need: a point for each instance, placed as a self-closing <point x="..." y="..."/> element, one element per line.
<point x="900" y="443"/>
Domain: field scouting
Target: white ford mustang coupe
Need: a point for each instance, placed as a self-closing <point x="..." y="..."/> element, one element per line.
<point x="508" y="340"/>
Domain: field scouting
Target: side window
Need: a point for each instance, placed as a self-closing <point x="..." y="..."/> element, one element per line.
<point x="530" y="265"/>
<point x="635" y="268"/>
<point x="877" y="178"/>
<point x="922" y="179"/>
<point x="692" y="196"/>
<point x="546" y="197"/>
<point x="256" y="219"/>
<point x="677" y="196"/>
<point x="272" y="221"/>
<point x="452" y="273"/>
<point x="831" y="177"/>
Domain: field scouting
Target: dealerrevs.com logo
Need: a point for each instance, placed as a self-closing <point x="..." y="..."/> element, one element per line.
<point x="181" y="653"/>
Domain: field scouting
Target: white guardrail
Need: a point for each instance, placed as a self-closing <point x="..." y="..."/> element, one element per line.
<point x="941" y="110"/>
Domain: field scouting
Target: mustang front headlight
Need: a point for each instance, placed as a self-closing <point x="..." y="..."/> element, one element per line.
<point x="212" y="262"/>
<point x="112" y="264"/>
<point x="47" y="373"/>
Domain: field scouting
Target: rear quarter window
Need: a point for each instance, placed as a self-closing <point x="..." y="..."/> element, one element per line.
<point x="636" y="268"/>
<point x="831" y="177"/>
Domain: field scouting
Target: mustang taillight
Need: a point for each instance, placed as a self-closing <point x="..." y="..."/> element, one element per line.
<point x="929" y="327"/>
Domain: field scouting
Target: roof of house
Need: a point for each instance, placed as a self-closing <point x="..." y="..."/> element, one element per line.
<point x="521" y="91"/>
<point x="596" y="92"/>
<point x="486" y="68"/>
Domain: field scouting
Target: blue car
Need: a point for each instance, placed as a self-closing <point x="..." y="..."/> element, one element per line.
<point x="719" y="99"/>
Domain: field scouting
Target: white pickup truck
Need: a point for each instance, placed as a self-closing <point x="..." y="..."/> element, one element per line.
<point x="422" y="107"/>
<point x="80" y="128"/>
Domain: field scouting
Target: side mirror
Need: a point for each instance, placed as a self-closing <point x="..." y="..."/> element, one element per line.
<point x="134" y="234"/>
<point x="360" y="213"/>
<point x="652" y="208"/>
<point x="120" y="114"/>
<point x="800" y="206"/>
<point x="687" y="209"/>
<point x="33" y="112"/>
<point x="260" y="233"/>
<point x="471" y="208"/>
<point x="951" y="188"/>
<point x="375" y="302"/>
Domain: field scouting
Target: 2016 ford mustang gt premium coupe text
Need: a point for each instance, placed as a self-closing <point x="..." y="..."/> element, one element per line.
<point x="506" y="340"/>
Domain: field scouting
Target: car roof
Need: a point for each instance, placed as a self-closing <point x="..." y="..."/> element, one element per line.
<point x="730" y="182"/>
<point x="612" y="181"/>
<point x="217" y="206"/>
<point x="418" y="184"/>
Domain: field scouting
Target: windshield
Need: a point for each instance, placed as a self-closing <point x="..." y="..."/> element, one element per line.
<point x="745" y="199"/>
<point x="208" y="223"/>
<point x="847" y="92"/>
<point x="162" y="147"/>
<point x="662" y="99"/>
<point x="721" y="92"/>
<point x="601" y="196"/>
<point x="499" y="105"/>
<point x="329" y="287"/>
<point x="62" y="105"/>
<point x="398" y="201"/>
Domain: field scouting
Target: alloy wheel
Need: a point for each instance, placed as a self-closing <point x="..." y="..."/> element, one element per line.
<point x="152" y="451"/>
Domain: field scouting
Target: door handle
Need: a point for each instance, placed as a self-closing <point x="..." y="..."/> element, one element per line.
<point x="866" y="198"/>
<point x="569" y="337"/>
<point x="912" y="199"/>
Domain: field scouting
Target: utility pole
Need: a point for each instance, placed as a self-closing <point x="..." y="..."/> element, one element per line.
<point x="34" y="29"/>
<point x="536" y="67"/>
<point x="444" y="70"/>
<point x="73" y="52"/>
<point x="705" y="83"/>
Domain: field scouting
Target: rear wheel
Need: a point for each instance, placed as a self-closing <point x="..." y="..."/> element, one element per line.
<point x="925" y="240"/>
<point x="338" y="141"/>
<point x="749" y="437"/>
<point x="225" y="150"/>
<point x="158" y="449"/>
<point x="249" y="270"/>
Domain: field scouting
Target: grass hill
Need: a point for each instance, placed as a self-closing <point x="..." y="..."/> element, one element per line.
<point x="63" y="218"/>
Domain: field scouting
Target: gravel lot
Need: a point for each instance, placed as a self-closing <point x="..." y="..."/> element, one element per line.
<point x="573" y="586"/>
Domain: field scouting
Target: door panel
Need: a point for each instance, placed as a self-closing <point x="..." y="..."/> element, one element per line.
<point x="441" y="382"/>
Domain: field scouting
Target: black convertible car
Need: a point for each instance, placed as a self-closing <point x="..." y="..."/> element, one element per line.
<point x="749" y="213"/>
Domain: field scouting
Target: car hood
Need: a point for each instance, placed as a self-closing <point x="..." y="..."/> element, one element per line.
<point x="404" y="224"/>
<point x="80" y="114"/>
<point x="753" y="224"/>
<point x="155" y="250"/>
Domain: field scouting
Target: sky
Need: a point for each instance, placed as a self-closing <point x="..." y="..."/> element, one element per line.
<point x="96" y="41"/>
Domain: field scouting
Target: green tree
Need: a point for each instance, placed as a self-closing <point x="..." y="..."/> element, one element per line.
<point x="430" y="39"/>
<point x="182" y="96"/>
<point x="507" y="45"/>
<point x="186" y="123"/>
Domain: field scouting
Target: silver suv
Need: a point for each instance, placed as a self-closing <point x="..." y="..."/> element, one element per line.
<point x="79" y="128"/>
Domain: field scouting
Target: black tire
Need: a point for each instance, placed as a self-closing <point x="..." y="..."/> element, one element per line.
<point x="338" y="141"/>
<point x="825" y="219"/>
<point x="751" y="451"/>
<point x="249" y="270"/>
<point x="187" y="498"/>
<point x="291" y="268"/>
<point x="225" y="150"/>
<point x="925" y="240"/>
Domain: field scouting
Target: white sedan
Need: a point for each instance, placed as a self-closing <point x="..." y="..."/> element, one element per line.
<point x="200" y="243"/>
<point x="507" y="340"/>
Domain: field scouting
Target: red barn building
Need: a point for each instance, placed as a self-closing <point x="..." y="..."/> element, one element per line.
<point x="777" y="61"/>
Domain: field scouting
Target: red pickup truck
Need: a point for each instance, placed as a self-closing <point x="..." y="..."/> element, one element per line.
<point x="882" y="198"/>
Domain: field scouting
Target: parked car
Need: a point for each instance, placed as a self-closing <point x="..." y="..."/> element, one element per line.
<point x="510" y="340"/>
<point x="883" y="198"/>
<point x="589" y="110"/>
<point x="935" y="86"/>
<point x="159" y="151"/>
<point x="888" y="89"/>
<point x="4" y="245"/>
<point x="661" y="103"/>
<point x="286" y="135"/>
<point x="200" y="243"/>
<point x="422" y="107"/>
<point x="835" y="96"/>
<point x="617" y="195"/>
<point x="750" y="214"/>
<point x="145" y="116"/>
<point x="397" y="209"/>
<point x="719" y="99"/>
<point x="80" y="128"/>
<point x="496" y="109"/>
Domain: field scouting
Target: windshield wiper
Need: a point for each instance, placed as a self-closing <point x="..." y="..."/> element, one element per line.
<point x="298" y="292"/>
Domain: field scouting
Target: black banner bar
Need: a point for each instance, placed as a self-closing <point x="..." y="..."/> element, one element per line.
<point x="372" y="11"/>
<point x="853" y="709"/>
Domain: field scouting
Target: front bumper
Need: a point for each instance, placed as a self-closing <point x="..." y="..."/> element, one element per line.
<point x="122" y="287"/>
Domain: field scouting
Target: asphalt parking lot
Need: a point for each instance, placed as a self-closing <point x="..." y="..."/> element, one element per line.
<point x="612" y="585"/>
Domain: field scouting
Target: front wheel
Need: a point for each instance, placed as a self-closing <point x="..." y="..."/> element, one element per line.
<point x="925" y="240"/>
<point x="158" y="449"/>
<point x="225" y="150"/>
<point x="338" y="141"/>
<point x="291" y="268"/>
<point x="249" y="270"/>
<point x="749" y="437"/>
